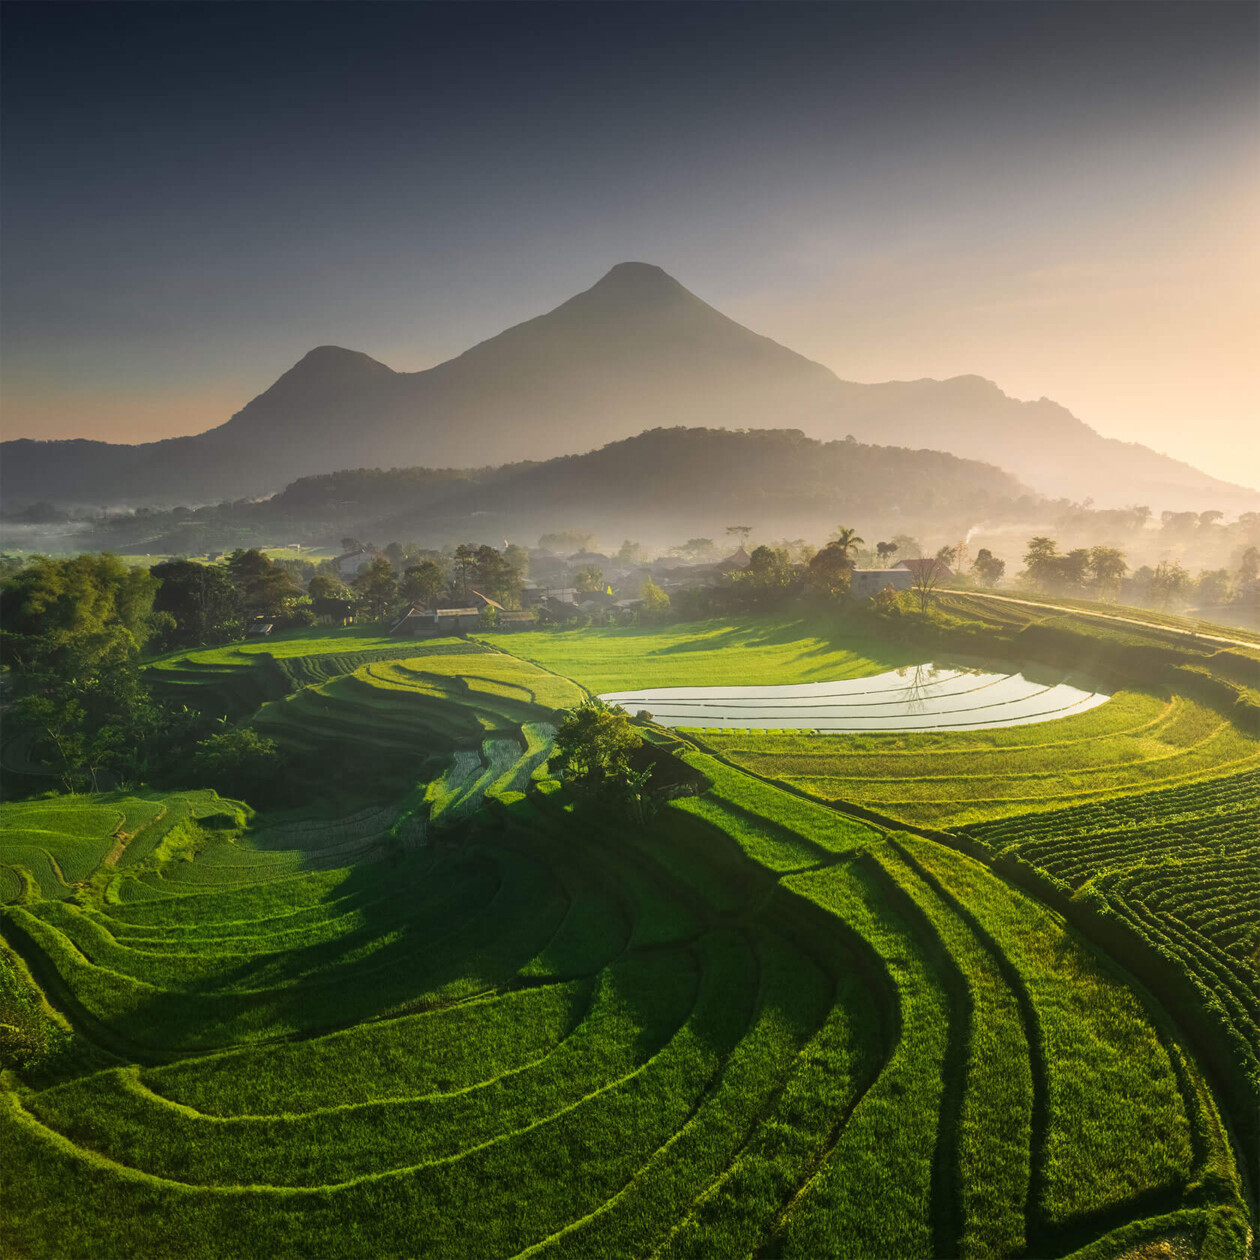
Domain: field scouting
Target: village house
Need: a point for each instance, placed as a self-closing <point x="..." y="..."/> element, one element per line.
<point x="922" y="563"/>
<point x="430" y="623"/>
<point x="863" y="583"/>
<point x="707" y="574"/>
<point x="504" y="618"/>
<point x="353" y="563"/>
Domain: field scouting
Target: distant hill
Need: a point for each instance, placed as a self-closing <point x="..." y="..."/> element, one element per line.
<point x="659" y="487"/>
<point x="635" y="351"/>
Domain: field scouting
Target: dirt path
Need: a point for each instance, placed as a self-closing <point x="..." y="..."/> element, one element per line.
<point x="1132" y="621"/>
<point x="122" y="839"/>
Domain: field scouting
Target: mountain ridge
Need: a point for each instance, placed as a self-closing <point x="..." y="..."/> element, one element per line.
<point x="659" y="486"/>
<point x="635" y="350"/>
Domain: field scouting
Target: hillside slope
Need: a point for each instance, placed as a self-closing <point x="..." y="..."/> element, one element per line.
<point x="660" y="486"/>
<point x="635" y="351"/>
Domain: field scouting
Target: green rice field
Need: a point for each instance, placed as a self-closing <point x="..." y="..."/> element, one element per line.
<point x="473" y="1014"/>
<point x="1137" y="741"/>
<point x="751" y="650"/>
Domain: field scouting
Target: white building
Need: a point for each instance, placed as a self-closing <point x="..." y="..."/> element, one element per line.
<point x="863" y="583"/>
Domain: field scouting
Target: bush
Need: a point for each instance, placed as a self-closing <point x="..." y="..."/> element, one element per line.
<point x="239" y="762"/>
<point x="28" y="1036"/>
<point x="595" y="743"/>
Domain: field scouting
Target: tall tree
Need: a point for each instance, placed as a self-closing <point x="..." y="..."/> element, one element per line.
<point x="987" y="567"/>
<point x="518" y="558"/>
<point x="465" y="568"/>
<point x="265" y="589"/>
<point x="594" y="744"/>
<point x="928" y="573"/>
<point x="1040" y="561"/>
<point x="769" y="578"/>
<point x="1170" y="583"/>
<point x="201" y="600"/>
<point x="1107" y="567"/>
<point x="1072" y="571"/>
<point x="422" y="583"/>
<point x="847" y="542"/>
<point x="496" y="577"/>
<point x="655" y="601"/>
<point x="376" y="587"/>
<point x="73" y="614"/>
<point x="830" y="571"/>
<point x="73" y="630"/>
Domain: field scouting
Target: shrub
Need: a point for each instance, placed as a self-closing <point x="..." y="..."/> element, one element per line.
<point x="238" y="762"/>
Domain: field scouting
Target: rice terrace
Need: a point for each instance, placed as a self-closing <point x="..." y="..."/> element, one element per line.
<point x="629" y="630"/>
<point x="986" y="989"/>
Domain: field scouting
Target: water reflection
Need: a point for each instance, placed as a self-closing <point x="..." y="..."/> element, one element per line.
<point x="919" y="698"/>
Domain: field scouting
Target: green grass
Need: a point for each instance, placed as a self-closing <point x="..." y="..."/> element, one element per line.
<point x="1116" y="1125"/>
<point x="707" y="653"/>
<point x="473" y="1014"/>
<point x="64" y="841"/>
<point x="1180" y="870"/>
<point x="1137" y="741"/>
<point x="313" y="641"/>
<point x="1171" y="621"/>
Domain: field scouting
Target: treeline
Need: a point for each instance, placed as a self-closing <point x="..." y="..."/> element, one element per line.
<point x="1102" y="572"/>
<point x="71" y="636"/>
<point x="664" y="478"/>
<point x="198" y="604"/>
<point x="73" y="633"/>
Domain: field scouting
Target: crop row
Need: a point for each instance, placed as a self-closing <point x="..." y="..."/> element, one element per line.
<point x="751" y="1026"/>
<point x="1194" y="800"/>
<point x="888" y="773"/>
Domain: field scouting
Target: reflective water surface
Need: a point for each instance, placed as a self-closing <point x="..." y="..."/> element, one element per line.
<point x="920" y="698"/>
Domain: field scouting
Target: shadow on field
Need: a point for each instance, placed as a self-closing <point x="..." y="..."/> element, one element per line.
<point x="830" y="638"/>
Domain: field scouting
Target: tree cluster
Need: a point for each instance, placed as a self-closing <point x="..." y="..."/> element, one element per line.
<point x="73" y="632"/>
<point x="595" y="747"/>
<point x="1103" y="573"/>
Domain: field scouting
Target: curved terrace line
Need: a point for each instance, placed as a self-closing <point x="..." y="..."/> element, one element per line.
<point x="886" y="703"/>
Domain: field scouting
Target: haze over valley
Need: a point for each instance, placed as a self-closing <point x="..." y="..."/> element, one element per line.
<point x="637" y="350"/>
<point x="500" y="757"/>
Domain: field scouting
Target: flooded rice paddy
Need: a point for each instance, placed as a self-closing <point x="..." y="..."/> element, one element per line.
<point x="921" y="698"/>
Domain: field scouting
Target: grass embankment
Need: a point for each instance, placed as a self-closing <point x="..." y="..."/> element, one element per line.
<point x="50" y="848"/>
<point x="754" y="1026"/>
<point x="1136" y="741"/>
<point x="1170" y="881"/>
<point x="1187" y="624"/>
<point x="237" y="678"/>
<point x="760" y="650"/>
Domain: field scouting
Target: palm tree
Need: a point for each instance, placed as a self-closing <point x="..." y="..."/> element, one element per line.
<point x="846" y="541"/>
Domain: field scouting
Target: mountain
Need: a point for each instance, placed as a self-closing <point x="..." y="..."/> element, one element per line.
<point x="659" y="487"/>
<point x="635" y="351"/>
<point x="1041" y="442"/>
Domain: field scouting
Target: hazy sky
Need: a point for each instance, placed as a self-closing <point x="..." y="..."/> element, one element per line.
<point x="1063" y="198"/>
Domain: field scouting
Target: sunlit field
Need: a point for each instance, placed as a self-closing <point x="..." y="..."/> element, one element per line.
<point x="728" y="1032"/>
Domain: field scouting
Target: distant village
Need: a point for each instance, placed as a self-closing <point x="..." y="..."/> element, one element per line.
<point x="597" y="588"/>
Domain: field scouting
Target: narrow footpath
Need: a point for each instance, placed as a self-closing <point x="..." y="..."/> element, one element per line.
<point x="1132" y="621"/>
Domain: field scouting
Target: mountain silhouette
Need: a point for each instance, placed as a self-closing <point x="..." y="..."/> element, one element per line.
<point x="636" y="351"/>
